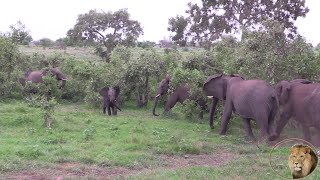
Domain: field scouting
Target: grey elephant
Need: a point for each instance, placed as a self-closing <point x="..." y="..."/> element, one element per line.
<point x="250" y="99"/>
<point x="216" y="87"/>
<point x="36" y="76"/>
<point x="300" y="100"/>
<point x="180" y="94"/>
<point x="110" y="99"/>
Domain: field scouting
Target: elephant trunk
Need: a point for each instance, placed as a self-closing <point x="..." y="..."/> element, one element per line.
<point x="117" y="106"/>
<point x="155" y="105"/>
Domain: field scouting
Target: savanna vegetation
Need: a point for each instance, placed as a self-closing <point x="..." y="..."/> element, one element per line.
<point x="82" y="142"/>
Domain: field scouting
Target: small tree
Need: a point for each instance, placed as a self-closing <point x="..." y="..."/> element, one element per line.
<point x="46" y="42"/>
<point x="178" y="26"/>
<point x="19" y="34"/>
<point x="107" y="29"/>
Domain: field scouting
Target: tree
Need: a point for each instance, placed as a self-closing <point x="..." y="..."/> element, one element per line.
<point x="217" y="17"/>
<point x="178" y="25"/>
<point x="46" y="42"/>
<point x="108" y="29"/>
<point x="19" y="34"/>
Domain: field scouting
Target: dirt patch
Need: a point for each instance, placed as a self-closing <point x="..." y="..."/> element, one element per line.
<point x="77" y="170"/>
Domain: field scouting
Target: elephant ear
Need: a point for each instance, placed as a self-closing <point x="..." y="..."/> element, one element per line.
<point x="282" y="90"/>
<point x="211" y="78"/>
<point x="104" y="91"/>
<point x="224" y="88"/>
<point x="117" y="89"/>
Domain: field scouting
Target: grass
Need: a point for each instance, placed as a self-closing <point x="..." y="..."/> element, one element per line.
<point x="133" y="140"/>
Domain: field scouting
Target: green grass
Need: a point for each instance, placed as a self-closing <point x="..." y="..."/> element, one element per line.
<point x="133" y="140"/>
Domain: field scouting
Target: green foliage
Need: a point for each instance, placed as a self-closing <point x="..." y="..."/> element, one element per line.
<point x="210" y="20"/>
<point x="108" y="29"/>
<point x="9" y="60"/>
<point x="146" y="44"/>
<point x="19" y="34"/>
<point x="46" y="42"/>
<point x="89" y="132"/>
<point x="178" y="26"/>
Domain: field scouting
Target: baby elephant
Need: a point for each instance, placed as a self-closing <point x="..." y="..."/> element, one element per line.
<point x="110" y="96"/>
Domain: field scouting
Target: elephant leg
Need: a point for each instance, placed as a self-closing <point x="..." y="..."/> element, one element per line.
<point x="104" y="109"/>
<point x="109" y="110"/>
<point x="212" y="110"/>
<point x="247" y="128"/>
<point x="200" y="116"/>
<point x="306" y="133"/>
<point x="263" y="126"/>
<point x="226" y="118"/>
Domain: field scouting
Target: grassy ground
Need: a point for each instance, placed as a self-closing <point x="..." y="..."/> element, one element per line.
<point x="86" y="144"/>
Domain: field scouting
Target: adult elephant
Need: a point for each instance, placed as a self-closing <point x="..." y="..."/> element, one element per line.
<point x="251" y="100"/>
<point x="110" y="99"/>
<point x="36" y="76"/>
<point x="216" y="87"/>
<point x="180" y="94"/>
<point x="300" y="100"/>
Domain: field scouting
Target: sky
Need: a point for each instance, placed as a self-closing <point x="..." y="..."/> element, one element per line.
<point x="53" y="18"/>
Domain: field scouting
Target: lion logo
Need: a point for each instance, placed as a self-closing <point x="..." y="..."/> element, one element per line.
<point x="302" y="161"/>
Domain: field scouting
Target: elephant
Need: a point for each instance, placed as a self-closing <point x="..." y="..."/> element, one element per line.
<point x="300" y="99"/>
<point x="215" y="86"/>
<point x="250" y="99"/>
<point x="110" y="99"/>
<point x="36" y="76"/>
<point x="180" y="94"/>
<point x="162" y="90"/>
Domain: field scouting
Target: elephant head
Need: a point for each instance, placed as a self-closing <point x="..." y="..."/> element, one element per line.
<point x="56" y="72"/>
<point x="216" y="87"/>
<point x="111" y="95"/>
<point x="283" y="89"/>
<point x="162" y="89"/>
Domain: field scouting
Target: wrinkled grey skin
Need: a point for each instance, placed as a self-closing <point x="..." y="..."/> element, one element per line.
<point x="180" y="94"/>
<point x="300" y="100"/>
<point x="251" y="100"/>
<point x="110" y="99"/>
<point x="36" y="76"/>
<point x="216" y="87"/>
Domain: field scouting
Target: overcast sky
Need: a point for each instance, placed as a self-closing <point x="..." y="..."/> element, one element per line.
<point x="53" y="18"/>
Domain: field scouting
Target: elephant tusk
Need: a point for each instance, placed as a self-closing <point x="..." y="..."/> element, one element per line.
<point x="63" y="79"/>
<point x="210" y="97"/>
<point x="157" y="95"/>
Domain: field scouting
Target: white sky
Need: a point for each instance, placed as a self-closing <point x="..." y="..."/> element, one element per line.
<point x="53" y="18"/>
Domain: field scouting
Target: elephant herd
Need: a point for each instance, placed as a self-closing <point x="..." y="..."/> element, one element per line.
<point x="257" y="100"/>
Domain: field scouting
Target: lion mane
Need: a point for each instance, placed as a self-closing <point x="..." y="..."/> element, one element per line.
<point x="302" y="161"/>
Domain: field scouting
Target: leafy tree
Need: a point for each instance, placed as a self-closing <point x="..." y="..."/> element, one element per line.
<point x="108" y="29"/>
<point x="178" y="25"/>
<point x="146" y="44"/>
<point x="46" y="42"/>
<point x="19" y="34"/>
<point x="214" y="18"/>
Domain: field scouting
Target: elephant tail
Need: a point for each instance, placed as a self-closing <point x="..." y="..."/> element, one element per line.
<point x="274" y="105"/>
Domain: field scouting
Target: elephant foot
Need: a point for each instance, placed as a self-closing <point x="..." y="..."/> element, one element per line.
<point x="222" y="133"/>
<point x="250" y="139"/>
<point x="211" y="127"/>
<point x="273" y="137"/>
